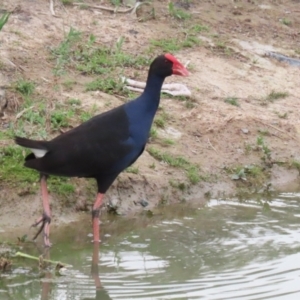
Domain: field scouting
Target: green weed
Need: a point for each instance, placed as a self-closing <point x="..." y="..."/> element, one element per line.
<point x="232" y="101"/>
<point x="85" y="115"/>
<point x="105" y="60"/>
<point x="167" y="142"/>
<point x="167" y="45"/>
<point x="296" y="164"/>
<point x="115" y="2"/>
<point x="193" y="174"/>
<point x="24" y="87"/>
<point x="283" y="115"/>
<point x="11" y="166"/>
<point x="74" y="102"/>
<point x="153" y="132"/>
<point x="179" y="185"/>
<point x="68" y="84"/>
<point x="61" y="118"/>
<point x="286" y="22"/>
<point x="63" y="52"/>
<point x="132" y="170"/>
<point x="107" y="85"/>
<point x="67" y="2"/>
<point x="266" y="151"/>
<point x="61" y="186"/>
<point x="249" y="172"/>
<point x="172" y="45"/>
<point x="178" y="13"/>
<point x="177" y="162"/>
<point x="3" y="20"/>
<point x="277" y="95"/>
<point x="198" y="28"/>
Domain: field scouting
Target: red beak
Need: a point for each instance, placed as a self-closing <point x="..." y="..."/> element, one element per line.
<point x="179" y="69"/>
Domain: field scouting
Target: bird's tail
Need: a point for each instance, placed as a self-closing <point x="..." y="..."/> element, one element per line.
<point x="39" y="148"/>
<point x="32" y="144"/>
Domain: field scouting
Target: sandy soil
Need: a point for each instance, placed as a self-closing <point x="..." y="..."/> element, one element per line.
<point x="230" y="62"/>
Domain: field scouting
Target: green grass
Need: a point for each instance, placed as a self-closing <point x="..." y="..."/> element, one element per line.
<point x="178" y="13"/>
<point x="175" y="44"/>
<point x="252" y="173"/>
<point x="103" y="60"/>
<point x="195" y="29"/>
<point x="11" y="166"/>
<point x="167" y="142"/>
<point x="24" y="87"/>
<point x="161" y="119"/>
<point x="63" y="52"/>
<point x="61" y="118"/>
<point x="108" y="85"/>
<point x="132" y="170"/>
<point x="68" y="84"/>
<point x="192" y="171"/>
<point x="286" y="21"/>
<point x="13" y="173"/>
<point x="179" y="185"/>
<point x="296" y="164"/>
<point x="85" y="115"/>
<point x="3" y="20"/>
<point x="61" y="186"/>
<point x="232" y="100"/>
<point x="167" y="45"/>
<point x="67" y="2"/>
<point x="275" y="95"/>
<point x="115" y="2"/>
<point x="153" y="132"/>
<point x="265" y="149"/>
<point x="74" y="102"/>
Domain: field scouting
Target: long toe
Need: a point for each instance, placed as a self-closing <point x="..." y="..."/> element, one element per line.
<point x="45" y="227"/>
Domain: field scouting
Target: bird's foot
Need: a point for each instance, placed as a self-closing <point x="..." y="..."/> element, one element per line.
<point x="45" y="221"/>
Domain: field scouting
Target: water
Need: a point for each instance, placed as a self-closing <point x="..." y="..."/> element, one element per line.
<point x="227" y="250"/>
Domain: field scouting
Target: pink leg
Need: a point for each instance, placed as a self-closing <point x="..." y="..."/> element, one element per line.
<point x="46" y="218"/>
<point x="95" y="216"/>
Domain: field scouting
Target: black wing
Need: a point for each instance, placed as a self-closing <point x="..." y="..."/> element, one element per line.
<point x="97" y="146"/>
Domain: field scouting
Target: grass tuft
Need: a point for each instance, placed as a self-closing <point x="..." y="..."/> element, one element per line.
<point x="277" y="95"/>
<point x="24" y="87"/>
<point x="232" y="101"/>
<point x="180" y="162"/>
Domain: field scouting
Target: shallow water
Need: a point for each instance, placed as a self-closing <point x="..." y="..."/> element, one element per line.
<point x="226" y="250"/>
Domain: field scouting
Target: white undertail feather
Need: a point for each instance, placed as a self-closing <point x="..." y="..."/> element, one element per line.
<point x="38" y="153"/>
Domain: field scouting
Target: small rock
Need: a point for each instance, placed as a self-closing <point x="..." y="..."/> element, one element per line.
<point x="142" y="202"/>
<point x="113" y="205"/>
<point x="145" y="12"/>
<point x="245" y="130"/>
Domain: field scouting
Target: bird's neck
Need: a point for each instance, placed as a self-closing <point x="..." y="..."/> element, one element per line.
<point x="151" y="94"/>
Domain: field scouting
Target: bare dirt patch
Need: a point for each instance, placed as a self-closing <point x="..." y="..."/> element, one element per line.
<point x="232" y="127"/>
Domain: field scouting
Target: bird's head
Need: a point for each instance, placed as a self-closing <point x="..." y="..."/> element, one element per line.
<point x="166" y="65"/>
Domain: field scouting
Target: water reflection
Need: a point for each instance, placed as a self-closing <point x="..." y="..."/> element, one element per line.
<point x="227" y="250"/>
<point x="47" y="283"/>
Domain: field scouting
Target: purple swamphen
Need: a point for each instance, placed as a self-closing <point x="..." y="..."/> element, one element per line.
<point x="103" y="146"/>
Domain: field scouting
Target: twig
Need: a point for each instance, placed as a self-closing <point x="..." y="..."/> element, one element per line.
<point x="19" y="115"/>
<point x="14" y="65"/>
<point x="210" y="144"/>
<point x="21" y="254"/>
<point x="52" y="8"/>
<point x="114" y="10"/>
<point x="276" y="128"/>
